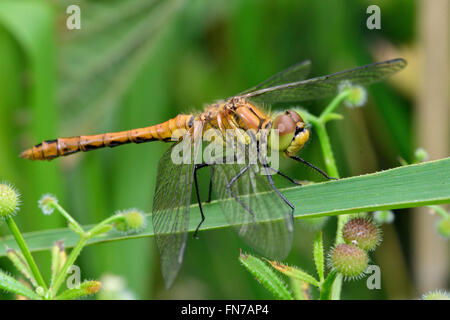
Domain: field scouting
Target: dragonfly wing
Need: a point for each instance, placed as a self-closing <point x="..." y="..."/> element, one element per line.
<point x="259" y="214"/>
<point x="171" y="205"/>
<point x="325" y="86"/>
<point x="294" y="73"/>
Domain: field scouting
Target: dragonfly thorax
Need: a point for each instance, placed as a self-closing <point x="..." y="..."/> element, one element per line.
<point x="288" y="132"/>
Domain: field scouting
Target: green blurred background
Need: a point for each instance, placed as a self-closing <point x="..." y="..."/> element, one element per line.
<point x="136" y="63"/>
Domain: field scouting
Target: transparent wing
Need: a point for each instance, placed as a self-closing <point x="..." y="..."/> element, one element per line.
<point x="258" y="213"/>
<point x="171" y="203"/>
<point x="324" y="86"/>
<point x="294" y="73"/>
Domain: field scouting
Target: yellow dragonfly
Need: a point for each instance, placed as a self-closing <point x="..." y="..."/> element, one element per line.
<point x="262" y="215"/>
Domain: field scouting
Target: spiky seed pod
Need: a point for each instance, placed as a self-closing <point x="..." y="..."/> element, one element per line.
<point x="46" y="203"/>
<point x="9" y="200"/>
<point x="362" y="232"/>
<point x="133" y="221"/>
<point x="382" y="217"/>
<point x="357" y="96"/>
<point x="349" y="260"/>
<point x="437" y="295"/>
<point x="420" y="155"/>
<point x="443" y="227"/>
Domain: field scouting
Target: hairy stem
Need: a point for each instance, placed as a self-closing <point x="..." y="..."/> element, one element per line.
<point x="68" y="217"/>
<point x="332" y="170"/>
<point x="26" y="253"/>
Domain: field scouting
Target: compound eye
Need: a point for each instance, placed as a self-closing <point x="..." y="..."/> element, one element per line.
<point x="285" y="124"/>
<point x="295" y="116"/>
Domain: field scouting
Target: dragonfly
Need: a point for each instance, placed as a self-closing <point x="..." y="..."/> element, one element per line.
<point x="250" y="201"/>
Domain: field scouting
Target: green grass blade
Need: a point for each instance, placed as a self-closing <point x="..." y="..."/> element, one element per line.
<point x="404" y="187"/>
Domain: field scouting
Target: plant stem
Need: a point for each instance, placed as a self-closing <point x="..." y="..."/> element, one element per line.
<point x="68" y="217"/>
<point x="26" y="252"/>
<point x="440" y="211"/>
<point x="84" y="237"/>
<point x="325" y="144"/>
<point x="333" y="105"/>
<point x="332" y="170"/>
<point x="109" y="220"/>
<point x="70" y="260"/>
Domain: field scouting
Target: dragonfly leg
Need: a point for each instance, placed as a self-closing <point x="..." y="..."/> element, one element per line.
<point x="284" y="176"/>
<point x="269" y="178"/>
<point x="309" y="164"/>
<point x="210" y="184"/>
<point x="233" y="180"/>
<point x="198" y="166"/>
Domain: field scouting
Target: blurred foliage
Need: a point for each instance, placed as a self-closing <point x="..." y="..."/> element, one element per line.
<point x="138" y="62"/>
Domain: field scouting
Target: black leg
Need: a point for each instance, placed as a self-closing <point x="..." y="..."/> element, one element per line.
<point x="284" y="176"/>
<point x="269" y="178"/>
<point x="233" y="180"/>
<point x="309" y="164"/>
<point x="196" y="167"/>
<point x="210" y="184"/>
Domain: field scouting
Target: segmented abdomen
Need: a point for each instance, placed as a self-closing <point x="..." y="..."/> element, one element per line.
<point x="51" y="149"/>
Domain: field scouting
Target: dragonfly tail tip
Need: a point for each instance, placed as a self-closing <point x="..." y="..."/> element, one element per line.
<point x="27" y="154"/>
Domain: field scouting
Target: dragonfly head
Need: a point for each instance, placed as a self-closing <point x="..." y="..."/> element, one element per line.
<point x="291" y="131"/>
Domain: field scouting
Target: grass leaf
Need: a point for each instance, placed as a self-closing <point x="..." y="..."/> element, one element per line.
<point x="403" y="187"/>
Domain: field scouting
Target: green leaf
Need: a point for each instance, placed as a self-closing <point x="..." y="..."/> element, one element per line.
<point x="58" y="259"/>
<point x="318" y="255"/>
<point x="85" y="289"/>
<point x="265" y="275"/>
<point x="325" y="291"/>
<point x="404" y="187"/>
<point x="294" y="272"/>
<point x="10" y="284"/>
<point x="32" y="25"/>
<point x="300" y="289"/>
<point x="20" y="263"/>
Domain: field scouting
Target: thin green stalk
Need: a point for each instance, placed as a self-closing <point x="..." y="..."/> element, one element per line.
<point x="68" y="217"/>
<point x="440" y="211"/>
<point x="70" y="260"/>
<point x="26" y="253"/>
<point x="325" y="145"/>
<point x="330" y="163"/>
<point x="333" y="105"/>
<point x="107" y="221"/>
<point x="84" y="237"/>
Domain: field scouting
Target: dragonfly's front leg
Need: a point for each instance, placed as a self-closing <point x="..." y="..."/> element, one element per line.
<point x="284" y="176"/>
<point x="199" y="166"/>
<point x="309" y="164"/>
<point x="210" y="184"/>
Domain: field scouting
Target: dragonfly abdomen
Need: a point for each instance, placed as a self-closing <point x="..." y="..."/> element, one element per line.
<point x="51" y="149"/>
